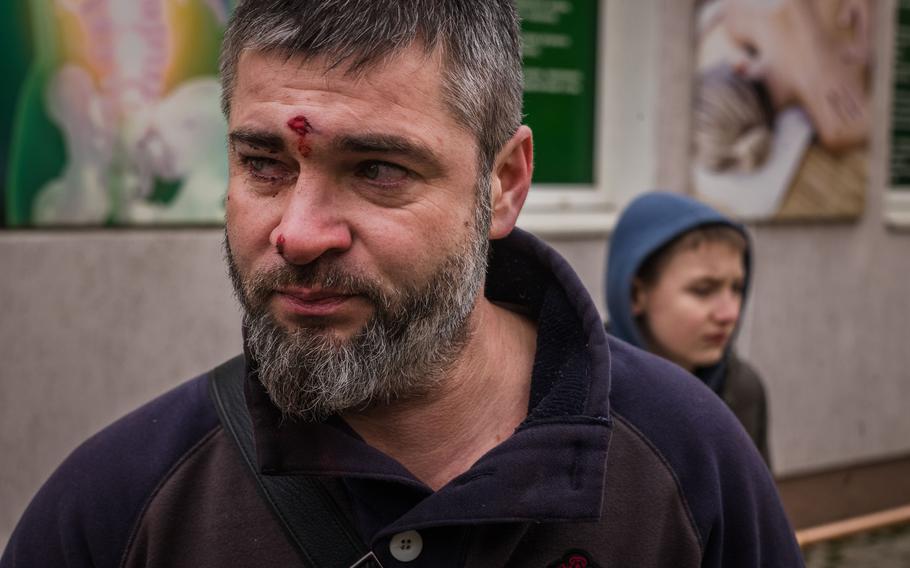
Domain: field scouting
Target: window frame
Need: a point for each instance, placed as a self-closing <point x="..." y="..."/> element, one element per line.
<point x="624" y="143"/>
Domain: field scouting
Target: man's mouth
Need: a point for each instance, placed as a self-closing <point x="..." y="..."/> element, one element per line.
<point x="312" y="302"/>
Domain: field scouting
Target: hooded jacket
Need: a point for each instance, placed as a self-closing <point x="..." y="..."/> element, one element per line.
<point x="649" y="223"/>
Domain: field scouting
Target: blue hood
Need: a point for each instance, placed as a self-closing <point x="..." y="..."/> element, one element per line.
<point x="648" y="223"/>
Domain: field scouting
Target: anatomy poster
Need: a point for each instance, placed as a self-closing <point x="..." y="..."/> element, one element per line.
<point x="111" y="112"/>
<point x="781" y="111"/>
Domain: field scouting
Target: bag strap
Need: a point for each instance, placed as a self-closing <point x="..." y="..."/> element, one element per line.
<point x="312" y="519"/>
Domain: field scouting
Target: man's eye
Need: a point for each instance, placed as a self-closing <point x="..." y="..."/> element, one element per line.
<point x="264" y="169"/>
<point x="382" y="173"/>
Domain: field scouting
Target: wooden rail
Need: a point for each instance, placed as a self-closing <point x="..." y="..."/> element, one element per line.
<point x="847" y="527"/>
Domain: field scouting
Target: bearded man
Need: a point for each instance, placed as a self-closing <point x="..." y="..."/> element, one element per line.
<point x="422" y="383"/>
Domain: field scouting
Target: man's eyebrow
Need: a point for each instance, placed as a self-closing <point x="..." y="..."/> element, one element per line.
<point x="259" y="139"/>
<point x="388" y="144"/>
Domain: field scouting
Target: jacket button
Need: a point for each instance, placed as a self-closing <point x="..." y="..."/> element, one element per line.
<point x="406" y="546"/>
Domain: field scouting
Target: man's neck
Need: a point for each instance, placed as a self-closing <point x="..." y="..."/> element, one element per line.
<point x="479" y="403"/>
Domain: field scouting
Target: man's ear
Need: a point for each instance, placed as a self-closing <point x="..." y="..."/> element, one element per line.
<point x="511" y="181"/>
<point x="639" y="297"/>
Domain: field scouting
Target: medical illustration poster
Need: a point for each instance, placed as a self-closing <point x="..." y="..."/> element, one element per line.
<point x="111" y="112"/>
<point x="781" y="110"/>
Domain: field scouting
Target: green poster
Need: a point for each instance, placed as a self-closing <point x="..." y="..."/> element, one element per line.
<point x="14" y="45"/>
<point x="560" y="49"/>
<point x="900" y="106"/>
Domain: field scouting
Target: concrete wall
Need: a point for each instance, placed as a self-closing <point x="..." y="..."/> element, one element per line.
<point x="94" y="323"/>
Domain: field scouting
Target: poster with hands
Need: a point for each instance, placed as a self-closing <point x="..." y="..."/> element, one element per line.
<point x="781" y="111"/>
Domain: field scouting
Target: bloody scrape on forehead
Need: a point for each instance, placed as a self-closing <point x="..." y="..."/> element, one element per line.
<point x="301" y="126"/>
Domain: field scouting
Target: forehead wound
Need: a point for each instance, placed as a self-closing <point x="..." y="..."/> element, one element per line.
<point x="301" y="127"/>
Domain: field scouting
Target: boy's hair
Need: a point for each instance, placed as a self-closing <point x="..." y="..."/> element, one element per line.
<point x="479" y="41"/>
<point x="652" y="267"/>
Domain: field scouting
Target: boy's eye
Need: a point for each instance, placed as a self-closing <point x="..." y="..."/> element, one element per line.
<point x="703" y="289"/>
<point x="381" y="172"/>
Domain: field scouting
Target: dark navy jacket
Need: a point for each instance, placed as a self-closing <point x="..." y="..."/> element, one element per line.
<point x="623" y="460"/>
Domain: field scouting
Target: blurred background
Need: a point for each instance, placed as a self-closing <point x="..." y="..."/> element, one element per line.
<point x="113" y="172"/>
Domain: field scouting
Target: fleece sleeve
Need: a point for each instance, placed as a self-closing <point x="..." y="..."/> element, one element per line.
<point x="86" y="511"/>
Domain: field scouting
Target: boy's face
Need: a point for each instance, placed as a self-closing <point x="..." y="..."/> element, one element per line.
<point x="690" y="312"/>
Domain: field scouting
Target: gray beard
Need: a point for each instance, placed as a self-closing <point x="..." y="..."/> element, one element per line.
<point x="414" y="336"/>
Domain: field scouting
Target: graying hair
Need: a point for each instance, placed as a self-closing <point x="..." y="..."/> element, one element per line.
<point x="479" y="40"/>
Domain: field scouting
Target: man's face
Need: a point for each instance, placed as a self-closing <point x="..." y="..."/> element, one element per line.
<point x="352" y="228"/>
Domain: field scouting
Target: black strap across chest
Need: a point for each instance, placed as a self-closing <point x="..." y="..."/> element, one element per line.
<point x="311" y="518"/>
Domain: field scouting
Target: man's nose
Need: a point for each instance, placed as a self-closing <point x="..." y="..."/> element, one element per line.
<point x="312" y="224"/>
